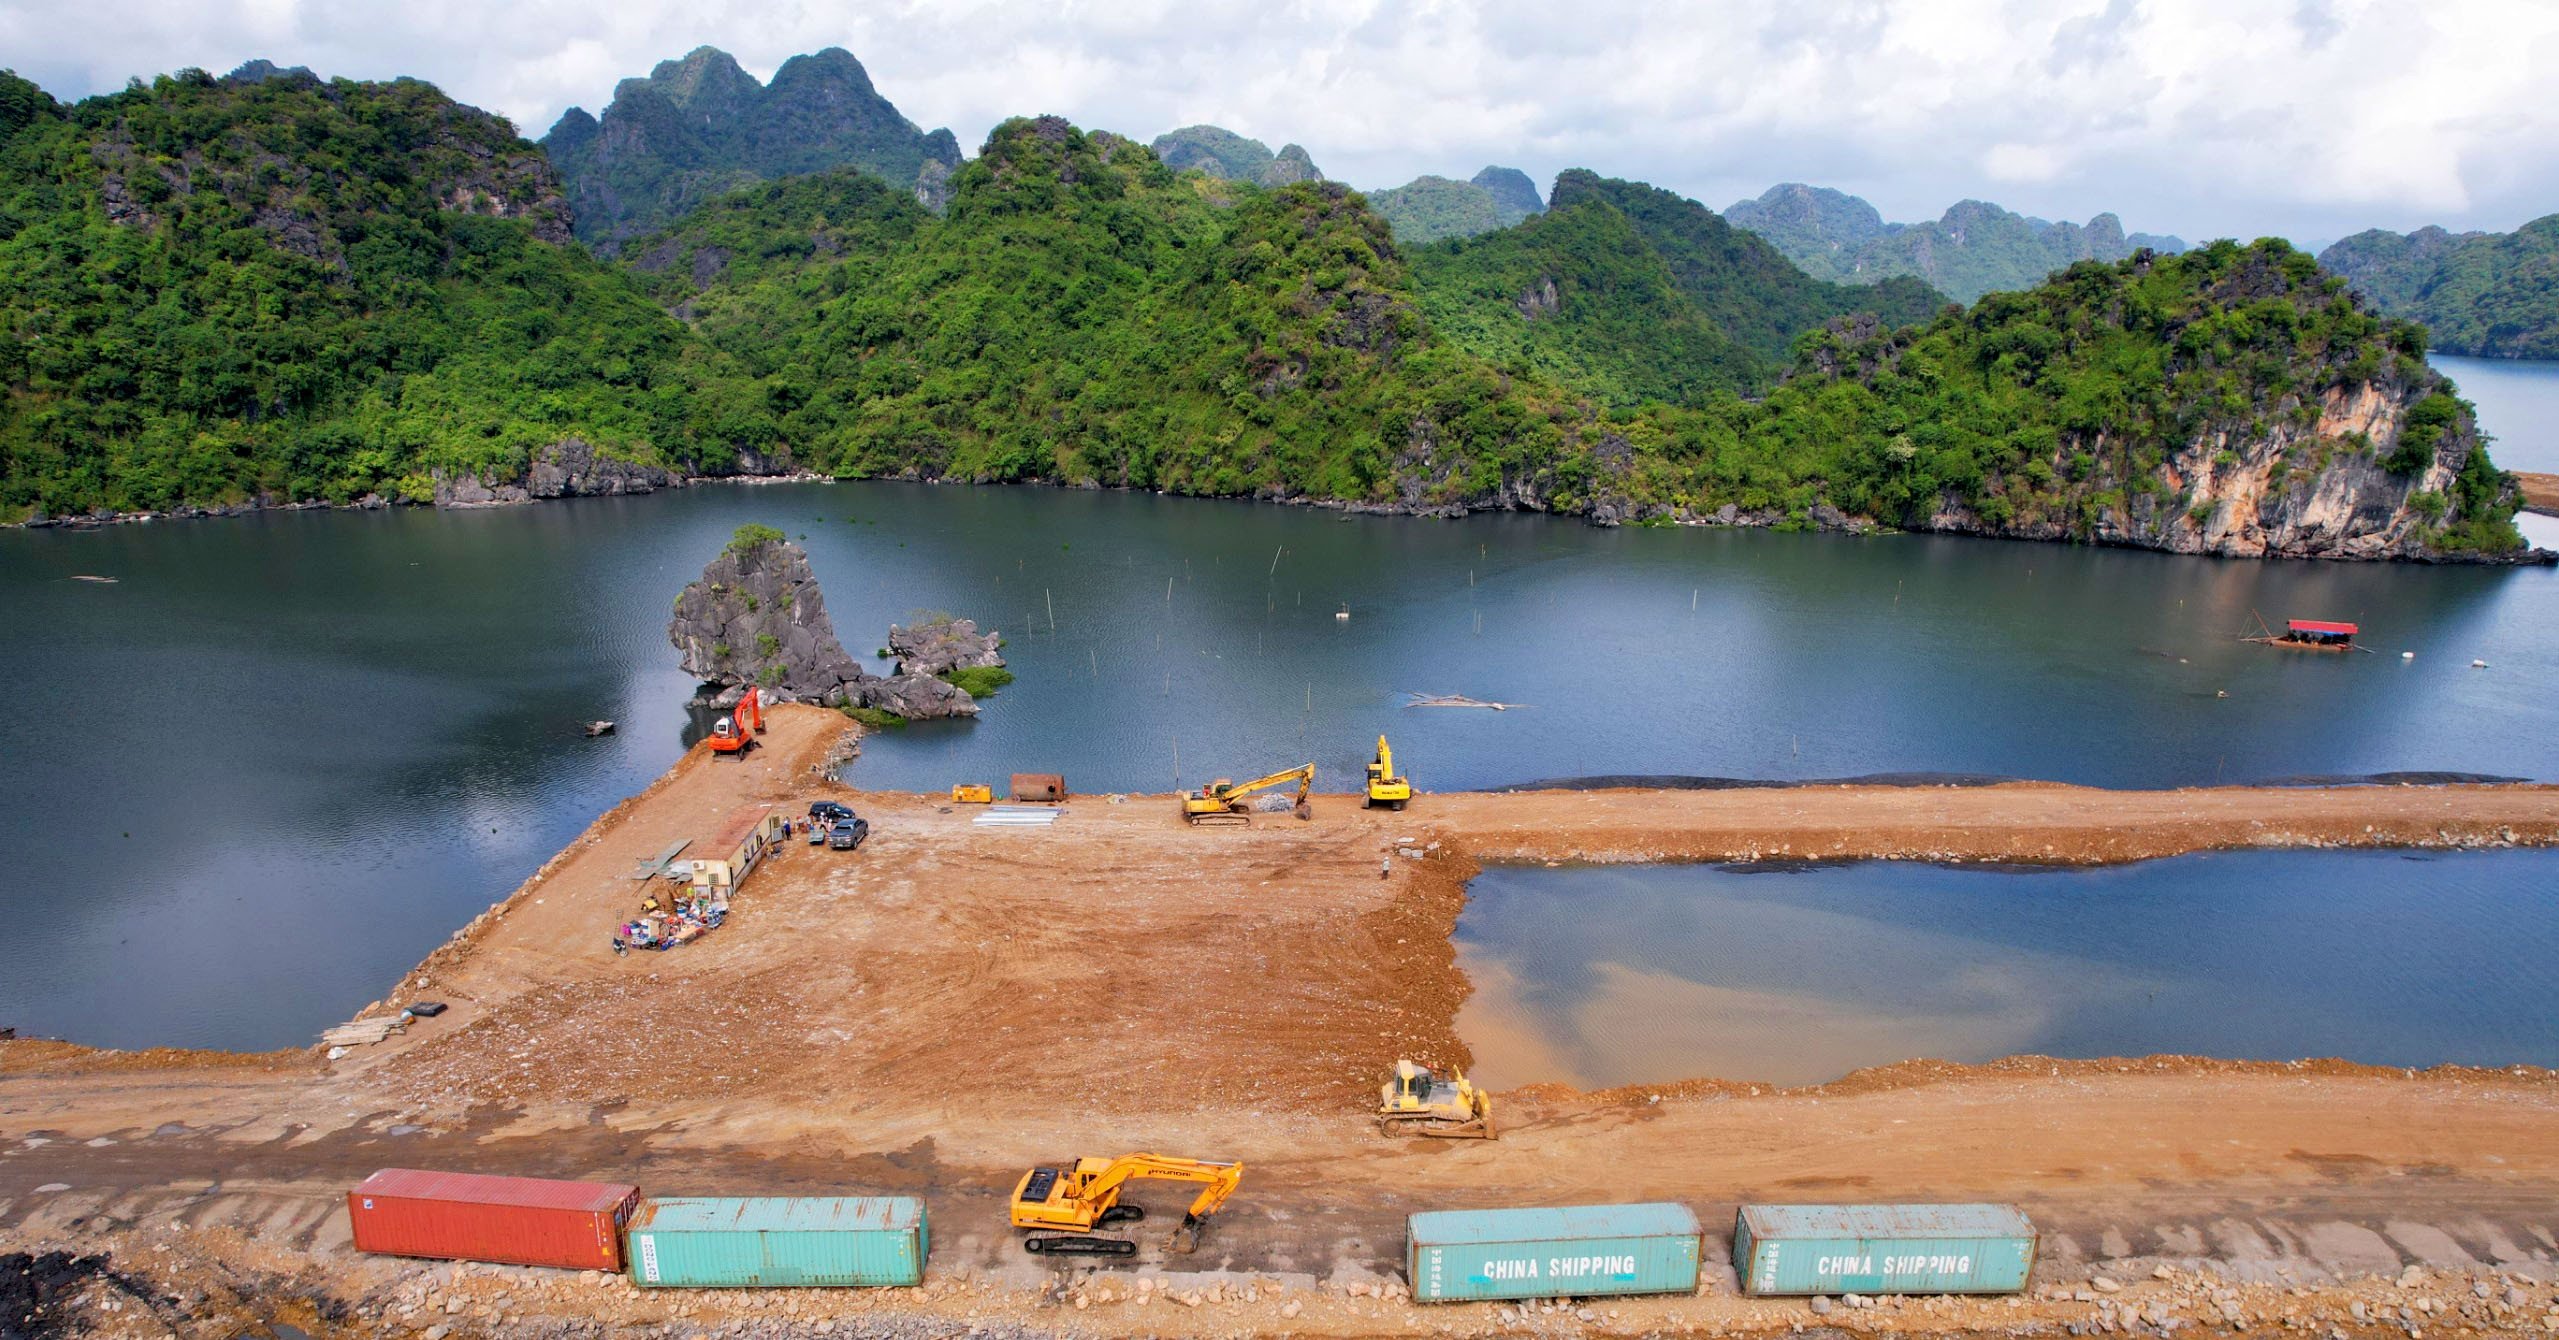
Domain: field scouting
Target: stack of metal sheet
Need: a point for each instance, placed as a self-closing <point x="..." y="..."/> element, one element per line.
<point x="1019" y="816"/>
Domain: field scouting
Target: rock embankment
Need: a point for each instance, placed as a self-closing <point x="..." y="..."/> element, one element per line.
<point x="756" y="617"/>
<point x="940" y="645"/>
<point x="569" y="468"/>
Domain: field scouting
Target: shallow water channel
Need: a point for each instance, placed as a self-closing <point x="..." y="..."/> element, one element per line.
<point x="1794" y="974"/>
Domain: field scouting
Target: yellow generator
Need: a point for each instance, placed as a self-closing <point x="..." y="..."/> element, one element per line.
<point x="972" y="793"/>
<point x="1417" y="1102"/>
<point x="1384" y="787"/>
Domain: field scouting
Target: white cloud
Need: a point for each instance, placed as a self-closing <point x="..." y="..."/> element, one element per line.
<point x="2205" y="117"/>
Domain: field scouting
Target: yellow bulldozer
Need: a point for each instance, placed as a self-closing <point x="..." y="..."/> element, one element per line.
<point x="1418" y="1102"/>
<point x="1064" y="1205"/>
<point x="1226" y="802"/>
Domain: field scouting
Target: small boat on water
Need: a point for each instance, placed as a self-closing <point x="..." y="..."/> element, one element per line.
<point x="596" y="728"/>
<point x="2311" y="635"/>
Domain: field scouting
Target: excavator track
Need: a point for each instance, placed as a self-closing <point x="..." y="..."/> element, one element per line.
<point x="1078" y="1245"/>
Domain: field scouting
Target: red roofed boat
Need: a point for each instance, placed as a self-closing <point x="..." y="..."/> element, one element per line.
<point x="2313" y="635"/>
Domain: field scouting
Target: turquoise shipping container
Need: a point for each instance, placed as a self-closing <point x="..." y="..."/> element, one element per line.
<point x="713" y="1242"/>
<point x="1882" y="1249"/>
<point x="1579" y="1251"/>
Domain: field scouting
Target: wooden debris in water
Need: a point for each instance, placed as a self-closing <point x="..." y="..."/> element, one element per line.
<point x="1457" y="700"/>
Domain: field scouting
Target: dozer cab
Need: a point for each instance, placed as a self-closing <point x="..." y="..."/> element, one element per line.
<point x="1417" y="1102"/>
<point x="1225" y="802"/>
<point x="1064" y="1205"/>
<point x="1385" y="789"/>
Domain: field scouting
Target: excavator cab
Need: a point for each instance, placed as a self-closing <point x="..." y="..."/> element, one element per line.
<point x="736" y="732"/>
<point x="1418" y="1102"/>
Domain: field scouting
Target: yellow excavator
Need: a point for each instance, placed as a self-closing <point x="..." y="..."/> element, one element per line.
<point x="1417" y="1102"/>
<point x="1223" y="802"/>
<point x="1070" y="1201"/>
<point x="1384" y="787"/>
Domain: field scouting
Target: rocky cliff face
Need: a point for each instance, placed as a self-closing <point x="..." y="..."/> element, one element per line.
<point x="757" y="618"/>
<point x="570" y="468"/>
<point x="2297" y="490"/>
<point x="939" y="646"/>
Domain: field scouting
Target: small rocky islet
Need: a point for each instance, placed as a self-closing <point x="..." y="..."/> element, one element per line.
<point x="756" y="618"/>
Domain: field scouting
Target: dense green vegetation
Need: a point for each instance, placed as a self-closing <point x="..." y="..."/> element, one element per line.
<point x="220" y="290"/>
<point x="1085" y="314"/>
<point x="1977" y="248"/>
<point x="2491" y="294"/>
<point x="696" y="128"/>
<point x="1579" y="297"/>
<point x="978" y="681"/>
<point x="2057" y="410"/>
<point x="1428" y="209"/>
<point x="1629" y="293"/>
<point x="216" y="290"/>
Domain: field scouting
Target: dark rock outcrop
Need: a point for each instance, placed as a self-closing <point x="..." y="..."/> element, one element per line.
<point x="939" y="646"/>
<point x="757" y="618"/>
<point x="569" y="468"/>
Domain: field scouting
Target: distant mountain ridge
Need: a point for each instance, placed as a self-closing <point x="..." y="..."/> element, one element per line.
<point x="1975" y="248"/>
<point x="1220" y="152"/>
<point x="2494" y="295"/>
<point x="699" y="127"/>
<point x="1428" y="208"/>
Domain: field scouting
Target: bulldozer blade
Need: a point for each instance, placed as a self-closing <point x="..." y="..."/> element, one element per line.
<point x="1438" y="1128"/>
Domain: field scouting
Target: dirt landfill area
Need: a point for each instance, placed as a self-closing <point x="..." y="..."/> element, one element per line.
<point x="934" y="1013"/>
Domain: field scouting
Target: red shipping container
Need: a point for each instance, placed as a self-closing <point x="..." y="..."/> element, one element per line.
<point x="524" y="1221"/>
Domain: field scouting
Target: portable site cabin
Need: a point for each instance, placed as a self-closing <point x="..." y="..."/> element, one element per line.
<point x="2320" y="633"/>
<point x="745" y="840"/>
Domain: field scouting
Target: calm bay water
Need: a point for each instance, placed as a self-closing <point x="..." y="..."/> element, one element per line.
<point x="2518" y="403"/>
<point x="283" y="756"/>
<point x="1601" y="976"/>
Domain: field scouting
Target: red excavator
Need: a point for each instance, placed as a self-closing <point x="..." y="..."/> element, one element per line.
<point x="736" y="732"/>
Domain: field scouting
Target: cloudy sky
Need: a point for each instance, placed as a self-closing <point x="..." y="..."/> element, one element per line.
<point x="2306" y="118"/>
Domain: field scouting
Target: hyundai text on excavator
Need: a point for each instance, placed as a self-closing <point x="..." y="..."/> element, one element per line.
<point x="1417" y="1102"/>
<point x="1385" y="789"/>
<point x="1224" y="802"/>
<point x="736" y="732"/>
<point x="1072" y="1200"/>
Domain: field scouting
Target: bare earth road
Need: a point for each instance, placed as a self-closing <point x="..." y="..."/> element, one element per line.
<point x="929" y="1015"/>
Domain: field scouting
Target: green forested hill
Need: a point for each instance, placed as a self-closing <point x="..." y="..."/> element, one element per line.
<point x="1086" y="314"/>
<point x="2491" y="294"/>
<point x="287" y="289"/>
<point x="1629" y="293"/>
<point x="1428" y="209"/>
<point x="215" y="290"/>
